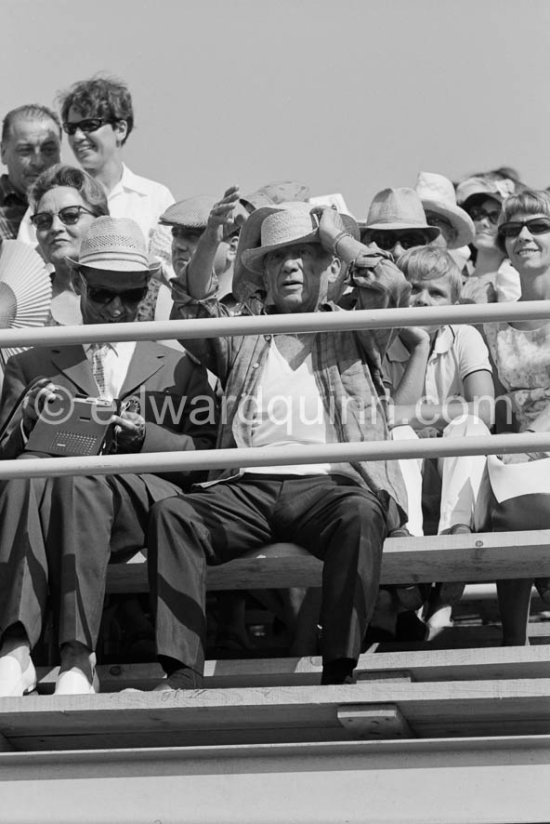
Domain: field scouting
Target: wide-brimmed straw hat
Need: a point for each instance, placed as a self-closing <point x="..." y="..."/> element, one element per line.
<point x="437" y="194"/>
<point x="398" y="210"/>
<point x="114" y="244"/>
<point x="268" y="229"/>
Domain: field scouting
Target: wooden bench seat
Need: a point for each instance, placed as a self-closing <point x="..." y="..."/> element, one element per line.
<point x="470" y="558"/>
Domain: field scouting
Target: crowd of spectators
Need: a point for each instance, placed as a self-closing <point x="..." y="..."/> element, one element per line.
<point x="119" y="248"/>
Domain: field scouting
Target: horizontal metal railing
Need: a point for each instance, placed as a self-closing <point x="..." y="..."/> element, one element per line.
<point x="276" y="324"/>
<point x="311" y="322"/>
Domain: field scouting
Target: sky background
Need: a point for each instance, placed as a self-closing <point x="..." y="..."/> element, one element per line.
<point x="349" y="96"/>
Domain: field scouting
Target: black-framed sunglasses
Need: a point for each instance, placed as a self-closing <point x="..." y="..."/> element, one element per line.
<point x="387" y="240"/>
<point x="536" y="226"/>
<point x="105" y="296"/>
<point x="69" y="216"/>
<point x="478" y="213"/>
<point x="88" y="124"/>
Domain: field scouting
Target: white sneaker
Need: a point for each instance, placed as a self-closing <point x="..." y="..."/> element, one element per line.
<point x="74" y="682"/>
<point x="14" y="680"/>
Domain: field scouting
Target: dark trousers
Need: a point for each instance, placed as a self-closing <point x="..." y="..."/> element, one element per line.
<point x="337" y="521"/>
<point x="57" y="536"/>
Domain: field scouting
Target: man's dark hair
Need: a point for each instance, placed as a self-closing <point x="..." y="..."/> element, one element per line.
<point x="100" y="96"/>
<point x="29" y="111"/>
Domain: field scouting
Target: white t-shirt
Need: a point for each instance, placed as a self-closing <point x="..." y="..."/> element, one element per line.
<point x="457" y="352"/>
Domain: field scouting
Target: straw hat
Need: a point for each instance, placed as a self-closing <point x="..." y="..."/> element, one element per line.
<point x="115" y="244"/>
<point x="398" y="209"/>
<point x="192" y="213"/>
<point x="438" y="195"/>
<point x="270" y="228"/>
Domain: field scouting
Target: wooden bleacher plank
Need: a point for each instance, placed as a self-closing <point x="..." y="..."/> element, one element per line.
<point x="495" y="663"/>
<point x="454" y="781"/>
<point x="271" y="715"/>
<point x="471" y="558"/>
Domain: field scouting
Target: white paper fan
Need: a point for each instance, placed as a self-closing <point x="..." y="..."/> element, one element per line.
<point x="25" y="289"/>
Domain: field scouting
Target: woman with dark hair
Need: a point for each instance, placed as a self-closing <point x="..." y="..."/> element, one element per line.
<point x="493" y="278"/>
<point x="65" y="201"/>
<point x="98" y="117"/>
<point x="520" y="350"/>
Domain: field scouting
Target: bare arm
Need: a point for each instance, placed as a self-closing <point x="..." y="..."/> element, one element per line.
<point x="478" y="400"/>
<point x="199" y="272"/>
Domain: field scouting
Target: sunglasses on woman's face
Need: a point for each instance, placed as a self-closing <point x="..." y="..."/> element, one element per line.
<point x="536" y="226"/>
<point x="89" y="124"/>
<point x="478" y="213"/>
<point x="69" y="216"/>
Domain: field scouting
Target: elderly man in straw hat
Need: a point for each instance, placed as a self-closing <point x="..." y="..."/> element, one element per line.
<point x="57" y="535"/>
<point x="282" y="390"/>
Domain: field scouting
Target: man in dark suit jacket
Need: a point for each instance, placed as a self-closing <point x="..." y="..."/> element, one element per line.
<point x="57" y="535"/>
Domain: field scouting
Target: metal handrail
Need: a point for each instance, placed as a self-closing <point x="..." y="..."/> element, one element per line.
<point x="273" y="456"/>
<point x="266" y="324"/>
<point x="310" y="322"/>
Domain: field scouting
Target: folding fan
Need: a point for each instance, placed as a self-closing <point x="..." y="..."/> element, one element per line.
<point x="25" y="289"/>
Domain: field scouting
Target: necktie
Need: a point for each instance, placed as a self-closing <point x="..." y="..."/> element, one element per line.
<point x="99" y="350"/>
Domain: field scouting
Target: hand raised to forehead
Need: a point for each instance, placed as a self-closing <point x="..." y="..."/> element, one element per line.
<point x="330" y="225"/>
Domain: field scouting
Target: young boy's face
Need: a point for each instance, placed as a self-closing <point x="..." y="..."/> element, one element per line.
<point x="433" y="292"/>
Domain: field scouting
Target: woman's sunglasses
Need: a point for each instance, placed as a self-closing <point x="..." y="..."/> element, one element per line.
<point x="68" y="216"/>
<point x="89" y="124"/>
<point x="478" y="213"/>
<point x="536" y="226"/>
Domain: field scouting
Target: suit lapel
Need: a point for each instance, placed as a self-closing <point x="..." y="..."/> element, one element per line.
<point x="147" y="359"/>
<point x="73" y="363"/>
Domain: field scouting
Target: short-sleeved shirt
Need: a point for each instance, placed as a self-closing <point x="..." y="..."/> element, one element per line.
<point x="457" y="352"/>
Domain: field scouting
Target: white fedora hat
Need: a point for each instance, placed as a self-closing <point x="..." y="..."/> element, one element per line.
<point x="437" y="194"/>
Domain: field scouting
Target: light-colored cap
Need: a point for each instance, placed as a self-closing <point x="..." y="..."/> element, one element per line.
<point x="192" y="212"/>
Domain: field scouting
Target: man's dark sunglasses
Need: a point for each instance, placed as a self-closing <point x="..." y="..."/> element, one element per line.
<point x="387" y="240"/>
<point x="105" y="296"/>
<point x="536" y="226"/>
<point x="69" y="216"/>
<point x="89" y="124"/>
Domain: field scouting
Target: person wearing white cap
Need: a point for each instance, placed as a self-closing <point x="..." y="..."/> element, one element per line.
<point x="493" y="278"/>
<point x="283" y="390"/>
<point x="67" y="529"/>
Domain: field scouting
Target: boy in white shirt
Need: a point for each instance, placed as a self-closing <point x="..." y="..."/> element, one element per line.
<point x="441" y="384"/>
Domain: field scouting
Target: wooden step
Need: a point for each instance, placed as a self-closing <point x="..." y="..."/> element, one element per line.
<point x="272" y="714"/>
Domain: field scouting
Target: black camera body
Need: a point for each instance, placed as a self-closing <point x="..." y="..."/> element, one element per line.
<point x="69" y="426"/>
